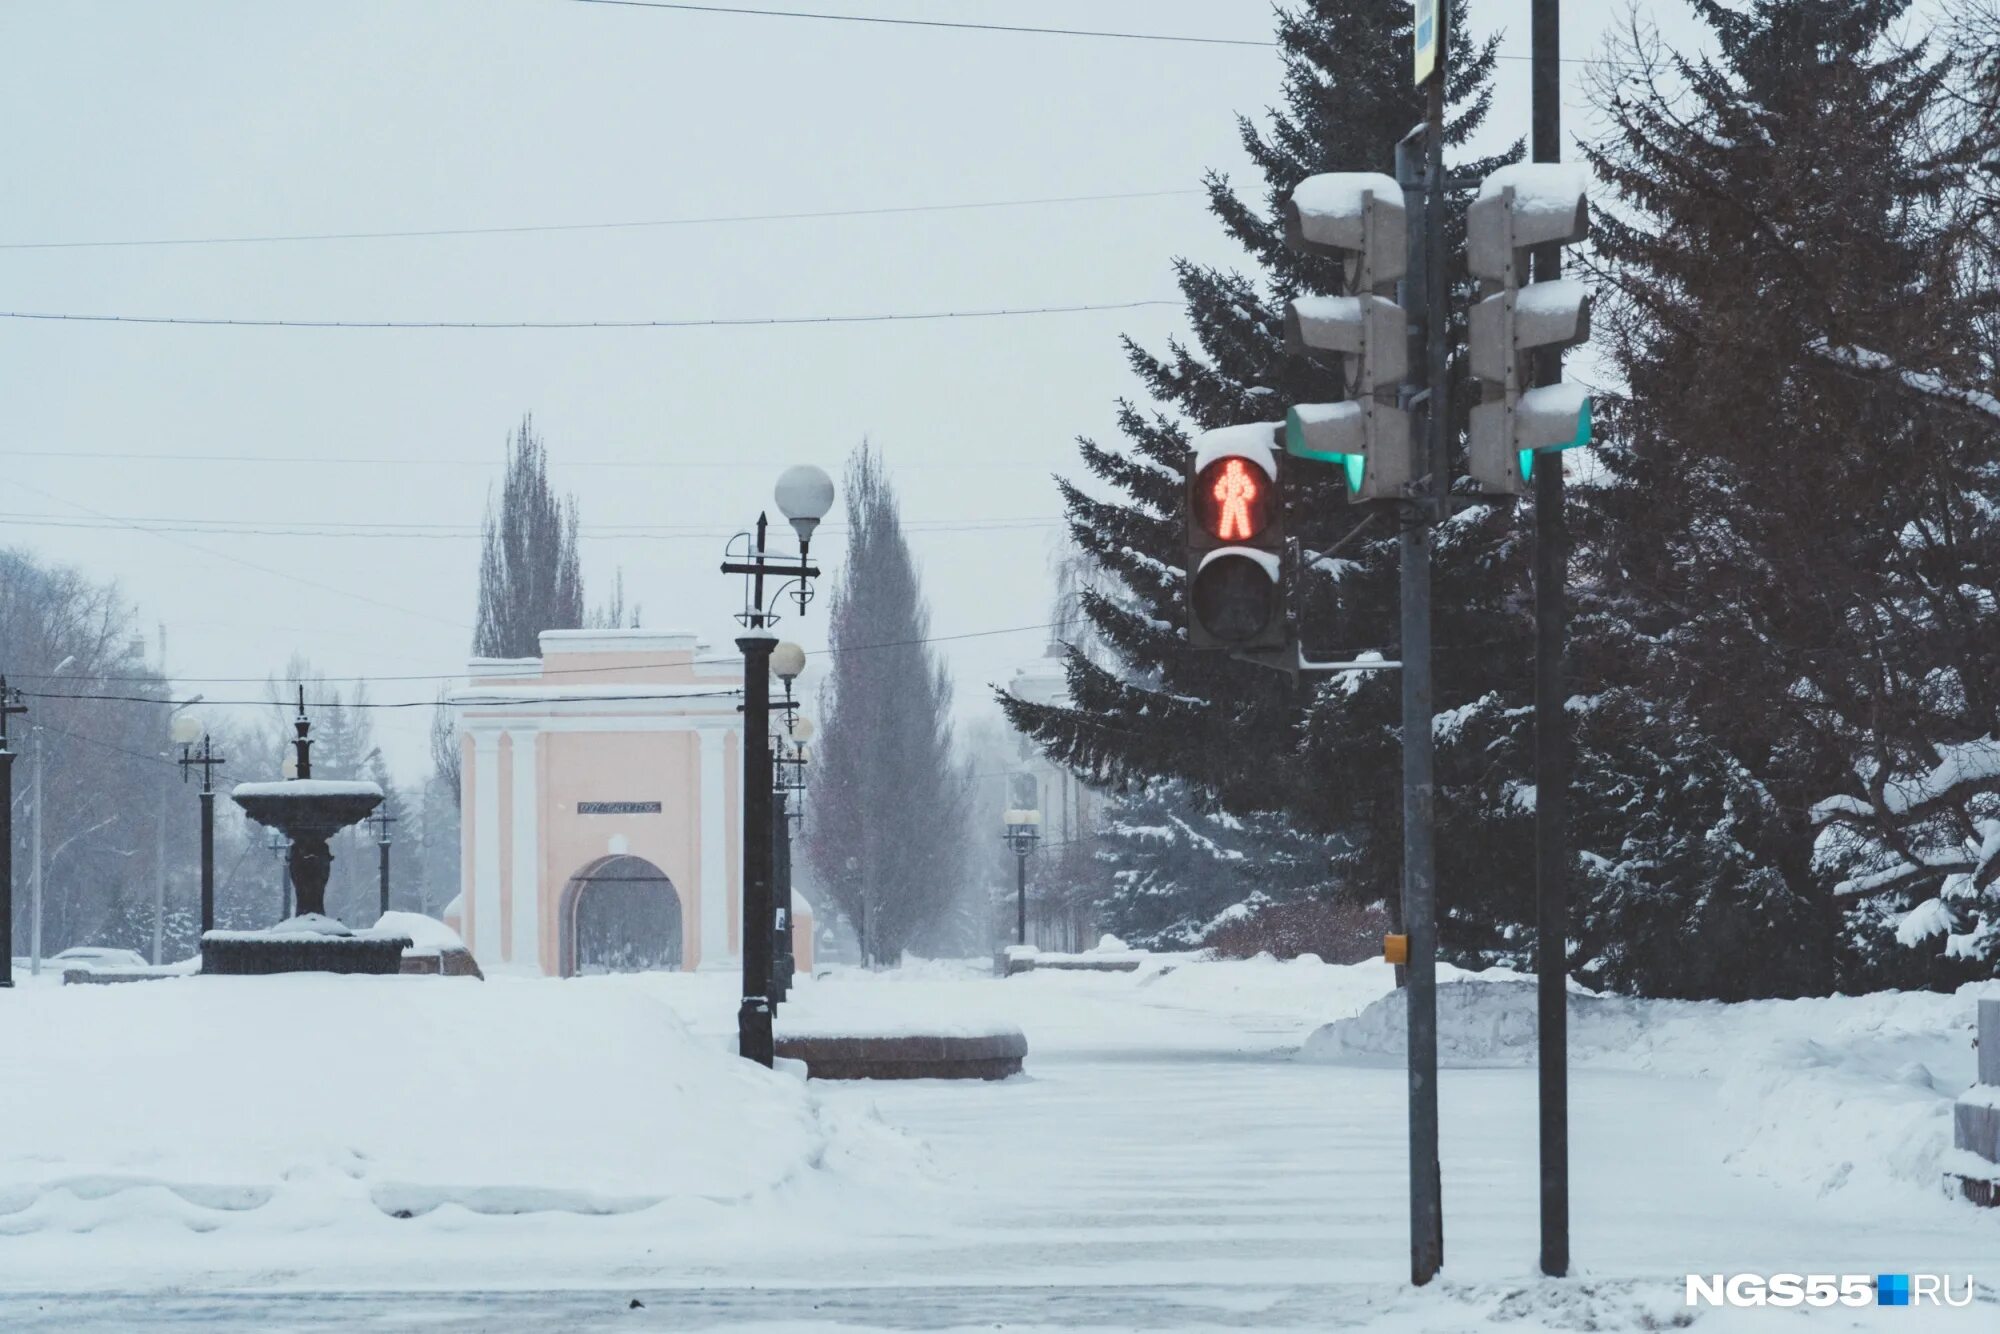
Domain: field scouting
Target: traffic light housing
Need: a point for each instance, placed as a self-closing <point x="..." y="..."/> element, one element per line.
<point x="1235" y="540"/>
<point x="1519" y="208"/>
<point x="1359" y="219"/>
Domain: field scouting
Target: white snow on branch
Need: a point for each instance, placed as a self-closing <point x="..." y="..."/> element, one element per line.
<point x="1927" y="919"/>
<point x="1922" y="382"/>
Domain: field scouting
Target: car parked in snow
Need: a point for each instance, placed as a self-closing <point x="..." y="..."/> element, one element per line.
<point x="98" y="957"/>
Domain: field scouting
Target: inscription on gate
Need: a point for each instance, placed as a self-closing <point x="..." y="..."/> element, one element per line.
<point x="618" y="808"/>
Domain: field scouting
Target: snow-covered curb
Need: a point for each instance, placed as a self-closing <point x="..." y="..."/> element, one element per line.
<point x="1830" y="1092"/>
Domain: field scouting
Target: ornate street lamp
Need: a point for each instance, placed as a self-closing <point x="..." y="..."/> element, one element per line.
<point x="804" y="495"/>
<point x="1022" y="823"/>
<point x="186" y="731"/>
<point x="788" y="662"/>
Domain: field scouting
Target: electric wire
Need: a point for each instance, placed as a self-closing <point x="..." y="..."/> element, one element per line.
<point x="960" y="25"/>
<point x="966" y="26"/>
<point x="290" y="575"/>
<point x="739" y="322"/>
<point x="460" y="532"/>
<point x="281" y="238"/>
<point x="351" y="461"/>
<point x="461" y="676"/>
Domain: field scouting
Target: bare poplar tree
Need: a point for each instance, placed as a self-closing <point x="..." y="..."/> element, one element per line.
<point x="887" y="831"/>
<point x="530" y="577"/>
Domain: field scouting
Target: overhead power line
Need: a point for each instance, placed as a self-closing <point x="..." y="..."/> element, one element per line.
<point x="886" y="21"/>
<point x="731" y="323"/>
<point x="382" y="704"/>
<point x="461" y="533"/>
<point x="734" y="463"/>
<point x="289" y="575"/>
<point x="528" y="229"/>
<point x="461" y="676"/>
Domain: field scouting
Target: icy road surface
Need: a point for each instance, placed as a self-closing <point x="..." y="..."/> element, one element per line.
<point x="1167" y="1164"/>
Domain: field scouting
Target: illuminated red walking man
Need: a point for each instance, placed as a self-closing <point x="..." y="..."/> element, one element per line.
<point x="1233" y="492"/>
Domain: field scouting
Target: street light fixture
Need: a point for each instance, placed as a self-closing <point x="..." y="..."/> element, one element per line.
<point x="804" y="494"/>
<point x="788" y="662"/>
<point x="186" y="730"/>
<point x="1023" y="825"/>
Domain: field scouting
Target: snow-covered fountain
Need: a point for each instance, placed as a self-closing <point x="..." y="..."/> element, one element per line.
<point x="309" y="811"/>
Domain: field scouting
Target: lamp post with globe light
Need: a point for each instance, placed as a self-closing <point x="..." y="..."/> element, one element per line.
<point x="804" y="494"/>
<point x="788" y="662"/>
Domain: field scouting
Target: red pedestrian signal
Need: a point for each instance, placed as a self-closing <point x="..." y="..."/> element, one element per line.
<point x="1235" y="539"/>
<point x="1234" y="496"/>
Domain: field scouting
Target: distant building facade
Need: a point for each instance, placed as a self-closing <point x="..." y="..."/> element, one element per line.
<point x="600" y="805"/>
<point x="1060" y="913"/>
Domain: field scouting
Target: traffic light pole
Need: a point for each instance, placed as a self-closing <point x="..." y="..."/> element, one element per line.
<point x="1551" y="739"/>
<point x="1419" y="853"/>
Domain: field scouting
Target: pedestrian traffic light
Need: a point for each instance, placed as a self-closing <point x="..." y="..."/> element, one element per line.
<point x="1519" y="208"/>
<point x="1358" y="218"/>
<point x="1235" y="540"/>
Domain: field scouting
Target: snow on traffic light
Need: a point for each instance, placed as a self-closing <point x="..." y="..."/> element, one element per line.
<point x="1519" y="208"/>
<point x="1358" y="218"/>
<point x="1235" y="540"/>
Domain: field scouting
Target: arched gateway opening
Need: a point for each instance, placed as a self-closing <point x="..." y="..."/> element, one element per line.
<point x="620" y="915"/>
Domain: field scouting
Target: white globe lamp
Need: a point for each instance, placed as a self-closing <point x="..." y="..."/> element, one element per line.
<point x="804" y="495"/>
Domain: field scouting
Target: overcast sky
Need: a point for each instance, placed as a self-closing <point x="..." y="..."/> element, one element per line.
<point x="199" y="119"/>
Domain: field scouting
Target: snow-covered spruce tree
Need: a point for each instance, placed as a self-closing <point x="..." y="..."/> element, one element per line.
<point x="1789" y="611"/>
<point x="1169" y="865"/>
<point x="886" y="836"/>
<point x="1321" y="759"/>
<point x="530" y="576"/>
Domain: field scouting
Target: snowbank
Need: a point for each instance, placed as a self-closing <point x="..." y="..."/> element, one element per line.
<point x="313" y="1101"/>
<point x="1828" y="1092"/>
<point x="427" y="934"/>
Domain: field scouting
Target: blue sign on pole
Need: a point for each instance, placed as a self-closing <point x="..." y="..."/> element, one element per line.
<point x="1427" y="40"/>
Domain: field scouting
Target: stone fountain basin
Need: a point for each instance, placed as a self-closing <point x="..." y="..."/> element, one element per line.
<point x="308" y="805"/>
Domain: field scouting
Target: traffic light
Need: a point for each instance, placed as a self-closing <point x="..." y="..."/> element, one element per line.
<point x="1235" y="540"/>
<point x="1358" y="218"/>
<point x="1518" y="208"/>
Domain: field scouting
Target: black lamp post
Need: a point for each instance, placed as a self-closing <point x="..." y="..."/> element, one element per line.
<point x="207" y="761"/>
<point x="804" y="495"/>
<point x="10" y="704"/>
<point x="788" y="661"/>
<point x="1023" y="829"/>
<point x="382" y="819"/>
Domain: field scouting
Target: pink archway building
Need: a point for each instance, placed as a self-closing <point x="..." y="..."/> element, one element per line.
<point x="600" y="806"/>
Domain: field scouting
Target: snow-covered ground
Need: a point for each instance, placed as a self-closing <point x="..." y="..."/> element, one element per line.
<point x="1195" y="1145"/>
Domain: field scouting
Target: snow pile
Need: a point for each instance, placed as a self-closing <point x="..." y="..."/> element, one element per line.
<point x="1826" y="1091"/>
<point x="308" y="787"/>
<point x="850" y="1003"/>
<point x="310" y="1101"/>
<point x="427" y="935"/>
<point x="304" y="928"/>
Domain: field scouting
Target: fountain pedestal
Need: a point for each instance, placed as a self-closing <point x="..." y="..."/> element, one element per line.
<point x="308" y="811"/>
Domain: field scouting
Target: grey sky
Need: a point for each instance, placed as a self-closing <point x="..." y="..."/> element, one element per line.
<point x="176" y="118"/>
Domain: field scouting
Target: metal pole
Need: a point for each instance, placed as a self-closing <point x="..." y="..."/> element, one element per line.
<point x="781" y="876"/>
<point x="1419" y="860"/>
<point x="1551" y="741"/>
<point x="35" y="856"/>
<point x="1020" y="893"/>
<point x="753" y="1020"/>
<point x="383" y="876"/>
<point x="160" y="879"/>
<point x="6" y="857"/>
<point x="207" y="859"/>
